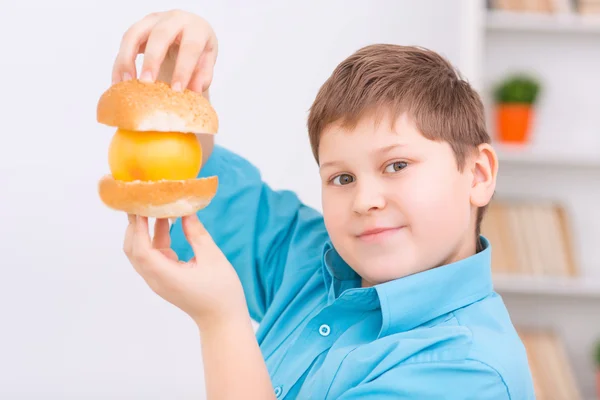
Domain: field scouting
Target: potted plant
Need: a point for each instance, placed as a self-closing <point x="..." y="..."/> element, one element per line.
<point x="515" y="99"/>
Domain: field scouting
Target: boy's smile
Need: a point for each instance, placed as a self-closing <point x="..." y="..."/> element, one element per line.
<point x="378" y="233"/>
<point x="395" y="202"/>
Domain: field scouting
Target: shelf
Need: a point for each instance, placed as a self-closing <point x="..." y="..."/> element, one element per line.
<point x="553" y="286"/>
<point x="544" y="23"/>
<point x="532" y="156"/>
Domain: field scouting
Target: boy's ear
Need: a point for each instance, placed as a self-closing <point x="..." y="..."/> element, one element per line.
<point x="485" y="170"/>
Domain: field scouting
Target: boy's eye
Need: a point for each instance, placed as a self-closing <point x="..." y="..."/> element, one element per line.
<point x="343" y="179"/>
<point x="397" y="166"/>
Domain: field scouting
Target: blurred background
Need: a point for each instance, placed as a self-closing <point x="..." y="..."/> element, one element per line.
<point x="77" y="322"/>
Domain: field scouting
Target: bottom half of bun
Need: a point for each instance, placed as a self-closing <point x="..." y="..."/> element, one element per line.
<point x="158" y="199"/>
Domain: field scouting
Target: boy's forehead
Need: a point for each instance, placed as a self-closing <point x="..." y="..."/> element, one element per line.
<point x="373" y="128"/>
<point x="375" y="137"/>
<point x="367" y="138"/>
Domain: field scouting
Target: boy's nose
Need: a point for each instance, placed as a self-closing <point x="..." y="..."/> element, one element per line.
<point x="368" y="197"/>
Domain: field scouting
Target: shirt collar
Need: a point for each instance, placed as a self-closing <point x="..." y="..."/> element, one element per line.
<point x="413" y="300"/>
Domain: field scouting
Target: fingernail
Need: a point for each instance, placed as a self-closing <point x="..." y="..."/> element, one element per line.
<point x="177" y="86"/>
<point x="146" y="76"/>
<point x="126" y="76"/>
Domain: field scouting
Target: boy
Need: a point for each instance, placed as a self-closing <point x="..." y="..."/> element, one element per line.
<point x="388" y="294"/>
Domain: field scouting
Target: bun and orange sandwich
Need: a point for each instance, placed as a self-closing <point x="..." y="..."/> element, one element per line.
<point x="155" y="156"/>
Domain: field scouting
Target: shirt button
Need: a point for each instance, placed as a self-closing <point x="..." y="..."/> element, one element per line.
<point x="324" y="330"/>
<point x="278" y="391"/>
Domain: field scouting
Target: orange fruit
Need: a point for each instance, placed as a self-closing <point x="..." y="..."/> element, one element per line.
<point x="153" y="156"/>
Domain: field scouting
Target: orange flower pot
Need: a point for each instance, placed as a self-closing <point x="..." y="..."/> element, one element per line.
<point x="513" y="122"/>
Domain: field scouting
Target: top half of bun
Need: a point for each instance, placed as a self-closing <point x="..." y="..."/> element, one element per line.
<point x="140" y="106"/>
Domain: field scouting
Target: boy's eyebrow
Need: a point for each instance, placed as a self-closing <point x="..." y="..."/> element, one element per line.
<point x="387" y="149"/>
<point x="329" y="164"/>
<point x="381" y="150"/>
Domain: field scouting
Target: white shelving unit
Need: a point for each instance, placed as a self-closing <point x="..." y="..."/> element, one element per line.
<point x="575" y="288"/>
<point x="561" y="163"/>
<point x="519" y="156"/>
<point x="533" y="22"/>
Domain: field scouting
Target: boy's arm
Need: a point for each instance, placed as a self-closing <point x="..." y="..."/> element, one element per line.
<point x="234" y="367"/>
<point x="452" y="380"/>
<point x="257" y="228"/>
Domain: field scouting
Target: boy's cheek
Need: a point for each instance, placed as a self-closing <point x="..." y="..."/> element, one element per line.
<point x="434" y="209"/>
<point x="334" y="211"/>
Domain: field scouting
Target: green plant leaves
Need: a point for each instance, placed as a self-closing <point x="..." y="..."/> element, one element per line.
<point x="597" y="353"/>
<point x="517" y="88"/>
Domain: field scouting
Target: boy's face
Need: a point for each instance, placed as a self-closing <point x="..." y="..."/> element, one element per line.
<point x="407" y="191"/>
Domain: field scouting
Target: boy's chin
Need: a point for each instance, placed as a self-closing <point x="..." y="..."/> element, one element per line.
<point x="386" y="267"/>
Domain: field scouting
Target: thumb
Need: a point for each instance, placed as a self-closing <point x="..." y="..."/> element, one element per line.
<point x="196" y="234"/>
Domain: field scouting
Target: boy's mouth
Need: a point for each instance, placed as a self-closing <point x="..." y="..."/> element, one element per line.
<point x="378" y="233"/>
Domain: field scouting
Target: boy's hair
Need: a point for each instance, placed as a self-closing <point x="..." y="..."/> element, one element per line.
<point x="395" y="78"/>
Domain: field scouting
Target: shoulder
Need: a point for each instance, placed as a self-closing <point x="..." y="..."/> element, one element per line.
<point x="473" y="352"/>
<point x="230" y="165"/>
<point x="496" y="344"/>
<point x="447" y="377"/>
<point x="274" y="225"/>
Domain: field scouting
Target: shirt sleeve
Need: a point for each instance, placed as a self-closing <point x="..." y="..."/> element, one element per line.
<point x="256" y="227"/>
<point x="460" y="380"/>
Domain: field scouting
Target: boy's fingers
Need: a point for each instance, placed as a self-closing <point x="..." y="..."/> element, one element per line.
<point x="196" y="234"/>
<point x="142" y="247"/>
<point x="203" y="74"/>
<point x="129" y="233"/>
<point x="147" y="260"/>
<point x="190" y="49"/>
<point x="131" y="44"/>
<point x="170" y="254"/>
<point x="161" y="239"/>
<point x="159" y="41"/>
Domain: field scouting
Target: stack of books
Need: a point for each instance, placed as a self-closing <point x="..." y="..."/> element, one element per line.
<point x="530" y="238"/>
<point x="588" y="7"/>
<point x="550" y="367"/>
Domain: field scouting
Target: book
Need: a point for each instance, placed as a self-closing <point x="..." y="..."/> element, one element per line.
<point x="531" y="238"/>
<point x="551" y="369"/>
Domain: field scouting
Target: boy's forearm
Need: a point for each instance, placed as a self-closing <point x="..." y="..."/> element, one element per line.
<point x="233" y="364"/>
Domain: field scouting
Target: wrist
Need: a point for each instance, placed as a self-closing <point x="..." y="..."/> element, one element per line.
<point x="224" y="322"/>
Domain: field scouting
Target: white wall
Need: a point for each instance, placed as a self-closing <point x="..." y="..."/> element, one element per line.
<point x="75" y="319"/>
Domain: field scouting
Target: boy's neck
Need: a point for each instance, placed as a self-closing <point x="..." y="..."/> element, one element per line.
<point x="460" y="254"/>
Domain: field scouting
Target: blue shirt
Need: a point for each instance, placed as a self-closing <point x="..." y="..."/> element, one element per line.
<point x="439" y="334"/>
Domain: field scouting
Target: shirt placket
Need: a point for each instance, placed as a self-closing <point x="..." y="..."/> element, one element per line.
<point x="317" y="336"/>
<point x="363" y="331"/>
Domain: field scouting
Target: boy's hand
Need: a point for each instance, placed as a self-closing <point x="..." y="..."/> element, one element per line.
<point x="207" y="287"/>
<point x="158" y="33"/>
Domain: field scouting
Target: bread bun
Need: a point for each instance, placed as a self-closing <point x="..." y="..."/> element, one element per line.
<point x="159" y="199"/>
<point x="139" y="106"/>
